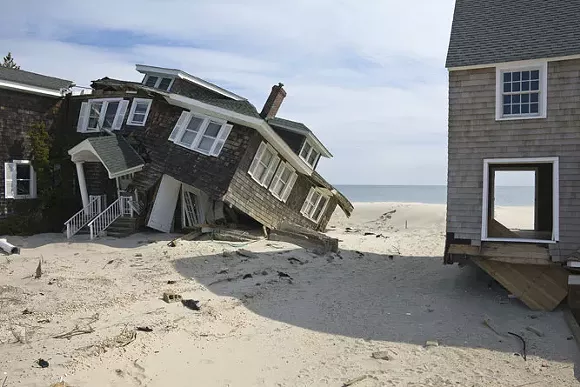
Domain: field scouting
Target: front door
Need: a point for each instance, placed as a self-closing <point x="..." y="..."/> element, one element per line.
<point x="163" y="210"/>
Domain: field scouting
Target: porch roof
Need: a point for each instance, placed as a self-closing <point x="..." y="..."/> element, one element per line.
<point x="114" y="152"/>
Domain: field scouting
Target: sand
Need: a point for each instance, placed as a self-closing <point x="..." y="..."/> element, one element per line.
<point x="319" y="327"/>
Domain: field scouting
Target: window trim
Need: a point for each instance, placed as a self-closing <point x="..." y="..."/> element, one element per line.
<point x="14" y="179"/>
<point x="555" y="198"/>
<point x="271" y="168"/>
<point x="136" y="101"/>
<point x="322" y="195"/>
<point x="219" y="141"/>
<point x="83" y="121"/>
<point x="278" y="176"/>
<point x="542" y="66"/>
<point x="158" y="81"/>
<point x="312" y="149"/>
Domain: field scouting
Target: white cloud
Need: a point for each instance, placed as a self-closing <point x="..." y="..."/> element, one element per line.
<point x="368" y="79"/>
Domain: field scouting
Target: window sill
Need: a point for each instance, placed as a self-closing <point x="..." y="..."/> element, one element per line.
<point x="520" y="118"/>
<point x="135" y="123"/>
<point x="194" y="150"/>
<point x="277" y="197"/>
<point x="257" y="181"/>
<point x="517" y="240"/>
<point x="22" y="197"/>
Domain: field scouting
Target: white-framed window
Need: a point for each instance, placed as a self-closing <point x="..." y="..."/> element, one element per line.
<point x="19" y="180"/>
<point x="521" y="90"/>
<point x="139" y="111"/>
<point x="309" y="154"/>
<point x="105" y="113"/>
<point x="283" y="181"/>
<point x="264" y="164"/>
<point x="158" y="82"/>
<point x="201" y="133"/>
<point x="315" y="204"/>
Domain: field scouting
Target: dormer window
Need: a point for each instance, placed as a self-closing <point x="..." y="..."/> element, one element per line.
<point x="158" y="82"/>
<point x="309" y="154"/>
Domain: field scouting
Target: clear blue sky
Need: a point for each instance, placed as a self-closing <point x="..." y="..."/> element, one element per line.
<point x="367" y="77"/>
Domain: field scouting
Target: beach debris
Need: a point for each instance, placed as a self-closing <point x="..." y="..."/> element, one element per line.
<point x="348" y="229"/>
<point x="275" y="246"/>
<point x="223" y="270"/>
<point x="43" y="321"/>
<point x="8" y="248"/>
<point x="523" y="343"/>
<point x="38" y="273"/>
<point x="488" y="323"/>
<point x="264" y="272"/>
<point x="5" y="379"/>
<point x="293" y="260"/>
<point x="281" y="274"/>
<point x="52" y="281"/>
<point x="108" y="263"/>
<point x="144" y="329"/>
<point x="360" y="255"/>
<point x="570" y="338"/>
<point x="191" y="304"/>
<point x="171" y="282"/>
<point x="355" y="380"/>
<point x="60" y="384"/>
<point x="126" y="337"/>
<point x="369" y="234"/>
<point x="246" y="276"/>
<point x="20" y="333"/>
<point x="535" y="330"/>
<point x="79" y="329"/>
<point x="381" y="355"/>
<point x="119" y="372"/>
<point x="431" y="343"/>
<point x="42" y="363"/>
<point x="247" y="254"/>
<point x="138" y="255"/>
<point x="26" y="311"/>
<point x="170" y="297"/>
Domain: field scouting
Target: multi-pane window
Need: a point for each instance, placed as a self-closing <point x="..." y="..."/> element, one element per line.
<point x="19" y="180"/>
<point x="283" y="181"/>
<point x="99" y="114"/>
<point x="521" y="92"/>
<point x="157" y="82"/>
<point x="139" y="112"/>
<point x="314" y="205"/>
<point x="200" y="133"/>
<point x="264" y="164"/>
<point x="309" y="154"/>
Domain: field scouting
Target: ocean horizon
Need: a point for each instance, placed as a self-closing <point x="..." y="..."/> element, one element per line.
<point x="430" y="194"/>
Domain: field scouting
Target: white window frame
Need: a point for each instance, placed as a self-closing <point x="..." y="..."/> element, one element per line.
<point x="315" y="204"/>
<point x="85" y="114"/>
<point x="131" y="118"/>
<point x="283" y="196"/>
<point x="11" y="179"/>
<point x="219" y="140"/>
<point x="159" y="79"/>
<point x="555" y="197"/>
<point x="269" y="169"/>
<point x="542" y="66"/>
<point x="312" y="149"/>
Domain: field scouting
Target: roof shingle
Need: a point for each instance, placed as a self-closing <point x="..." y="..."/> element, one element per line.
<point x="33" y="79"/>
<point x="116" y="153"/>
<point x="496" y="31"/>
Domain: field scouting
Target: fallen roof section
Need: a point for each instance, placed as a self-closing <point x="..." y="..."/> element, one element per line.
<point x="116" y="154"/>
<point x="343" y="202"/>
<point x="33" y="82"/>
<point x="300" y="128"/>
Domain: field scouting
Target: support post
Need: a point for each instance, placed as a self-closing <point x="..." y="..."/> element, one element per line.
<point x="82" y="183"/>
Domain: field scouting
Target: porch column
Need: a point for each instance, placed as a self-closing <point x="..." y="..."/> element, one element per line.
<point x="82" y="183"/>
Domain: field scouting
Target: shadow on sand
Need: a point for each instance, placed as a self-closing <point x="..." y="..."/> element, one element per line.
<point x="404" y="299"/>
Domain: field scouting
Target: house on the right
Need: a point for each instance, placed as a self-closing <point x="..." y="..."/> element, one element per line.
<point x="514" y="107"/>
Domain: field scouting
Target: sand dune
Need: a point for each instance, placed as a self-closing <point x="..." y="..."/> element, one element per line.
<point x="317" y="325"/>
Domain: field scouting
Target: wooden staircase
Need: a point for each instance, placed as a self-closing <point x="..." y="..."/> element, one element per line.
<point x="123" y="226"/>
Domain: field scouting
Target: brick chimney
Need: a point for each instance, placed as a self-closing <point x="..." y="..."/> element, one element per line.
<point x="274" y="101"/>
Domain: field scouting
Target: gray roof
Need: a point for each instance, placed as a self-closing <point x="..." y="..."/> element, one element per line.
<point x="243" y="107"/>
<point x="116" y="153"/>
<point x="495" y="31"/>
<point x="283" y="123"/>
<point x="33" y="79"/>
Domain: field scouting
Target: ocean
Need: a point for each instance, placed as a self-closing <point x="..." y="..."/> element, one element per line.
<point x="432" y="194"/>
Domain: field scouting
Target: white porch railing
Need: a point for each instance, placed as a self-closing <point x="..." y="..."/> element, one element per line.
<point x="83" y="217"/>
<point x="120" y="207"/>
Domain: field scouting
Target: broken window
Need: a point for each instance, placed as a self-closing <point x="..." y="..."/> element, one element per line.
<point x="19" y="180"/>
<point x="521" y="200"/>
<point x="203" y="134"/>
<point x="163" y="83"/>
<point x="264" y="164"/>
<point x="315" y="205"/>
<point x="139" y="112"/>
<point x="309" y="154"/>
<point x="283" y="181"/>
<point x="98" y="114"/>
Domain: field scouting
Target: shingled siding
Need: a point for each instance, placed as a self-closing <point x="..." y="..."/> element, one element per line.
<point x="18" y="113"/>
<point x="256" y="201"/>
<point x="474" y="135"/>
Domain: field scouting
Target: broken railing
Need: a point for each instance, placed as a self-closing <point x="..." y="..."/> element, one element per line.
<point x="83" y="217"/>
<point x="120" y="207"/>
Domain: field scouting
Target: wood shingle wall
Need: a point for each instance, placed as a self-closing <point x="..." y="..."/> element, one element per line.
<point x="474" y="135"/>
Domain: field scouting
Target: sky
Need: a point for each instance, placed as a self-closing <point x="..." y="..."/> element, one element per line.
<point x="368" y="77"/>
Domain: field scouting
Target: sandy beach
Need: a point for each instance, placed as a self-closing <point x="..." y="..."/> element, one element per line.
<point x="280" y="317"/>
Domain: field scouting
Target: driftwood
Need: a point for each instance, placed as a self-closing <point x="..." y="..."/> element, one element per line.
<point x="305" y="238"/>
<point x="77" y="330"/>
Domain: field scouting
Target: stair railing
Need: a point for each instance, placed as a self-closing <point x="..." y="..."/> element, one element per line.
<point x="120" y="207"/>
<point x="83" y="217"/>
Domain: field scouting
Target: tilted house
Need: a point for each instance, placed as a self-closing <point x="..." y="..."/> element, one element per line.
<point x="514" y="105"/>
<point x="28" y="101"/>
<point x="176" y="152"/>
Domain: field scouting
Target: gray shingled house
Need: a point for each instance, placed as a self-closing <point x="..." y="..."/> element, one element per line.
<point x="514" y="106"/>
<point x="177" y="152"/>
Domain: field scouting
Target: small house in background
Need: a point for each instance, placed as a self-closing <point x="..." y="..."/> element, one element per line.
<point x="514" y="108"/>
<point x="177" y="152"/>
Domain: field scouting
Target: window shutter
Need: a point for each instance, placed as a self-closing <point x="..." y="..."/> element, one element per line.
<point x="289" y="187"/>
<point x="257" y="158"/>
<point x="277" y="177"/>
<point x="180" y="125"/>
<point x="83" y="118"/>
<point x="9" y="180"/>
<point x="221" y="139"/>
<point x="271" y="170"/>
<point x="120" y="116"/>
<point x="33" y="192"/>
<point x="308" y="199"/>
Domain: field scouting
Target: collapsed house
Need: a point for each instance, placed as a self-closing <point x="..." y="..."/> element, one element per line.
<point x="514" y="106"/>
<point x="176" y="152"/>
